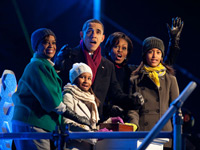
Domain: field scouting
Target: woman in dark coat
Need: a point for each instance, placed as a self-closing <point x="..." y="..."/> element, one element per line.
<point x="118" y="49"/>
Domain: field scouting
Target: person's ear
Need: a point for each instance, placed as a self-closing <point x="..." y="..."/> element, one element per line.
<point x="103" y="37"/>
<point x="81" y="34"/>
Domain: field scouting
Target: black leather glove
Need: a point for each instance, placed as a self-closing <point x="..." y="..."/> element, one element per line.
<point x="63" y="54"/>
<point x="175" y="30"/>
<point x="137" y="100"/>
<point x="116" y="111"/>
<point x="69" y="113"/>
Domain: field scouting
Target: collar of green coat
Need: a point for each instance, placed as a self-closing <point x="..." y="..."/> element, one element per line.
<point x="37" y="57"/>
<point x="40" y="58"/>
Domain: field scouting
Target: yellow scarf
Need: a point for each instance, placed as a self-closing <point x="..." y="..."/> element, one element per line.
<point x="155" y="72"/>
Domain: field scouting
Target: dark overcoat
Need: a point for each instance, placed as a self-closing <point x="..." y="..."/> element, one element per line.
<point x="105" y="81"/>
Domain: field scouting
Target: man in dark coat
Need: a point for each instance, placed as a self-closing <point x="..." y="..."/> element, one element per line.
<point x="89" y="52"/>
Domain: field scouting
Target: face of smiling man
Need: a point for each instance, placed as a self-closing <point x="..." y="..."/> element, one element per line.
<point x="92" y="36"/>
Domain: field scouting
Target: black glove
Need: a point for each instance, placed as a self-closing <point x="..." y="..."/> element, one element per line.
<point x="63" y="54"/>
<point x="175" y="30"/>
<point x="137" y="100"/>
<point x="116" y="111"/>
<point x="69" y="113"/>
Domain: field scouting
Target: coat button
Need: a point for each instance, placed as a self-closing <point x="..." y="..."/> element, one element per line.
<point x="158" y="110"/>
<point x="146" y="123"/>
<point x="160" y="88"/>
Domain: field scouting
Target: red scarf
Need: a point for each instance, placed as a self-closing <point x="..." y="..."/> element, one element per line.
<point x="118" y="66"/>
<point x="94" y="61"/>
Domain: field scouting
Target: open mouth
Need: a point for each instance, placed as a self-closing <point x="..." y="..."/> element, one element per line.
<point x="93" y="42"/>
<point x="119" y="56"/>
<point x="84" y="85"/>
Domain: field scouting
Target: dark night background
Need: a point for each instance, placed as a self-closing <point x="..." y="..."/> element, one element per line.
<point x="138" y="19"/>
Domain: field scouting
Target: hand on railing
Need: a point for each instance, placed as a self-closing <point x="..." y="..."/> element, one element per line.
<point x="117" y="120"/>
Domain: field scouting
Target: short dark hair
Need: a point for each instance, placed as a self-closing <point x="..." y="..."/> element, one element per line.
<point x="113" y="39"/>
<point x="92" y="21"/>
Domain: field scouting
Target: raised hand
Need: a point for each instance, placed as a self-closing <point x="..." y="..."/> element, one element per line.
<point x="175" y="30"/>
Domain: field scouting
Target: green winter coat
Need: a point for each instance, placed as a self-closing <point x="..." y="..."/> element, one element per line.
<point x="39" y="93"/>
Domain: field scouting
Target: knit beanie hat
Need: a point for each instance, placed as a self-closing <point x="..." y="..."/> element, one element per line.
<point x="152" y="42"/>
<point x="77" y="69"/>
<point x="38" y="35"/>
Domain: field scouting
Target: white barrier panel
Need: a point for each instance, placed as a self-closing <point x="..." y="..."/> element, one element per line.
<point x="129" y="144"/>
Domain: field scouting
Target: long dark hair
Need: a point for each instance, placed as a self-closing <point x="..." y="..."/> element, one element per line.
<point x="169" y="68"/>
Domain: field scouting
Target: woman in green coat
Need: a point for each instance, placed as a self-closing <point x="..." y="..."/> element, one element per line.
<point x="38" y="99"/>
